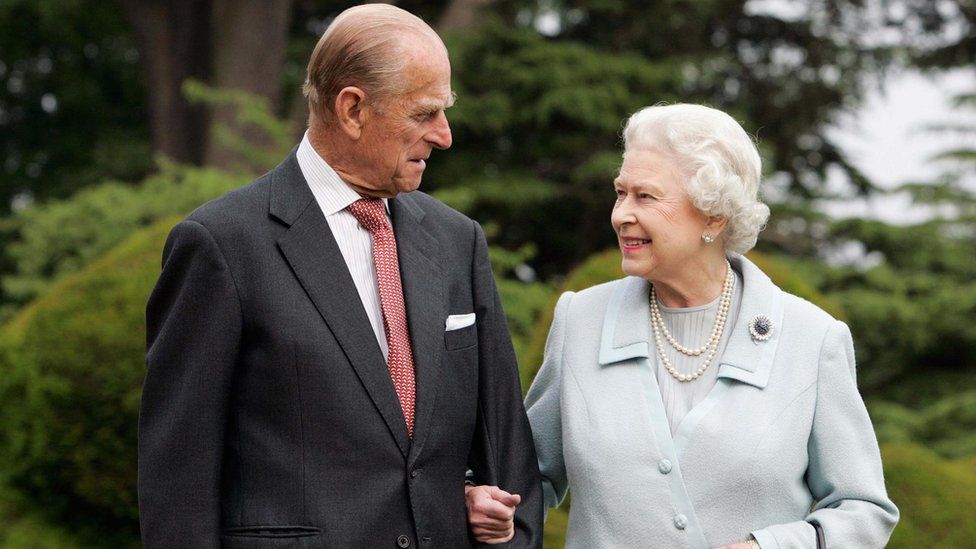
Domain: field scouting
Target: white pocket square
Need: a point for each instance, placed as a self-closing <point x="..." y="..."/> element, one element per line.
<point x="456" y="322"/>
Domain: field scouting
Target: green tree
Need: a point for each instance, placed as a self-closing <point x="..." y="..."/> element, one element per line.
<point x="70" y="100"/>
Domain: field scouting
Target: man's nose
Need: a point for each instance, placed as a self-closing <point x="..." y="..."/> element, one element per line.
<point x="440" y="134"/>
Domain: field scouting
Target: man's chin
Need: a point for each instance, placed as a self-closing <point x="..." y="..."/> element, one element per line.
<point x="408" y="186"/>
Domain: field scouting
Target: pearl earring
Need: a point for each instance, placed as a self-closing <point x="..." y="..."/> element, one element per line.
<point x="707" y="237"/>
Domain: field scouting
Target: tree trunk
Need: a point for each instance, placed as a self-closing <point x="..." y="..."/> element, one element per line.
<point x="461" y="14"/>
<point x="249" y="38"/>
<point x="172" y="37"/>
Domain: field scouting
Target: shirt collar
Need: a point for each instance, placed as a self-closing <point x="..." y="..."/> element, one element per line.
<point x="331" y="192"/>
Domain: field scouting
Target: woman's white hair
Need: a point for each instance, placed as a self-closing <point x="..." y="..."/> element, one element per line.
<point x="717" y="157"/>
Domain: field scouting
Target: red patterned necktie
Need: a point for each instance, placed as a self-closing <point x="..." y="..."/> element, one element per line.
<point x="371" y="214"/>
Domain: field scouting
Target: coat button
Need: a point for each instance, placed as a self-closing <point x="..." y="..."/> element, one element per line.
<point x="415" y="473"/>
<point x="403" y="541"/>
<point x="664" y="466"/>
<point x="680" y="522"/>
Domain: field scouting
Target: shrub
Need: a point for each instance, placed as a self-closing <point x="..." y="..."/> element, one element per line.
<point x="60" y="237"/>
<point x="934" y="495"/>
<point x="69" y="403"/>
<point x="25" y="528"/>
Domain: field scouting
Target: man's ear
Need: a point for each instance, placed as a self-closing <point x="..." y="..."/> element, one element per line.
<point x="715" y="224"/>
<point x="350" y="109"/>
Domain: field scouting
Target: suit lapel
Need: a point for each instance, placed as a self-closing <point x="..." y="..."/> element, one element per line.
<point x="313" y="254"/>
<point x="425" y="298"/>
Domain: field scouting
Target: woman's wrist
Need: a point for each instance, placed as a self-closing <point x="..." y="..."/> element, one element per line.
<point x="753" y="544"/>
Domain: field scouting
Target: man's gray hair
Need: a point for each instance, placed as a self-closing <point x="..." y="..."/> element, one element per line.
<point x="365" y="46"/>
<point x="718" y="159"/>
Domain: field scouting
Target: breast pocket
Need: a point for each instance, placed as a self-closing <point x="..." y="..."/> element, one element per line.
<point x="462" y="338"/>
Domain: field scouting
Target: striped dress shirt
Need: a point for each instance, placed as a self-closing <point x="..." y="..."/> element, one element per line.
<point x="333" y="196"/>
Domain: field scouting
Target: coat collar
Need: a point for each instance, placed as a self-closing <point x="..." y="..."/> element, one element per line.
<point x="626" y="325"/>
<point x="289" y="195"/>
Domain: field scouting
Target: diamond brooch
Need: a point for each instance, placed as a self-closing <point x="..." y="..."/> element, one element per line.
<point x="761" y="328"/>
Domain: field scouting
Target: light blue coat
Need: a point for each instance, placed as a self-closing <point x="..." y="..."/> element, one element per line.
<point x="783" y="438"/>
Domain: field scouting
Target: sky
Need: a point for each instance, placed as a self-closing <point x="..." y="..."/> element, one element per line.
<point x="886" y="138"/>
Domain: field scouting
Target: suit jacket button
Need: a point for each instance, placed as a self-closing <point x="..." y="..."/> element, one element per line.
<point x="403" y="541"/>
<point x="415" y="473"/>
<point x="664" y="466"/>
<point x="680" y="522"/>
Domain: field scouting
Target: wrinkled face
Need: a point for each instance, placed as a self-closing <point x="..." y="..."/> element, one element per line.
<point x="658" y="229"/>
<point x="401" y="132"/>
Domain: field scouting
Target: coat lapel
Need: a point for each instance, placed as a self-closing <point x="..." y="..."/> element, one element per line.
<point x="626" y="326"/>
<point x="746" y="360"/>
<point x="314" y="256"/>
<point x="426" y="301"/>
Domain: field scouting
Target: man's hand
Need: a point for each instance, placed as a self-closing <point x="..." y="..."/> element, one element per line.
<point x="491" y="513"/>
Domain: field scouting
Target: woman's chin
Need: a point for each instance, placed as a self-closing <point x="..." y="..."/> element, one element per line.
<point x="632" y="267"/>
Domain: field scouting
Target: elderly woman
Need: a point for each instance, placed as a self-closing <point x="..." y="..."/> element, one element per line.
<point x="694" y="403"/>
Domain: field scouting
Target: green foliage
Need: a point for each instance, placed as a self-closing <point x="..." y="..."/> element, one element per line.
<point x="919" y="327"/>
<point x="934" y="495"/>
<point x="249" y="110"/>
<point x="523" y="301"/>
<point x="787" y="74"/>
<point x="70" y="398"/>
<point x="554" y="532"/>
<point x="62" y="236"/>
<point x="946" y="426"/>
<point x="536" y="136"/>
<point x="71" y="104"/>
<point x="24" y="528"/>
<point x="912" y="313"/>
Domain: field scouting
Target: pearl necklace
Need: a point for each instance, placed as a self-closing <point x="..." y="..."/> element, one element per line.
<point x="711" y="344"/>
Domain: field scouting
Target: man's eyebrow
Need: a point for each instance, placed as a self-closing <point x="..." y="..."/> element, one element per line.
<point x="437" y="105"/>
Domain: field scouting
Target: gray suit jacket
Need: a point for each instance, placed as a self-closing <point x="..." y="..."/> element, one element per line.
<point x="268" y="415"/>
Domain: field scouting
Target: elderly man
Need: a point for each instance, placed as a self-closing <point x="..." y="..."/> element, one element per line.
<point x="327" y="352"/>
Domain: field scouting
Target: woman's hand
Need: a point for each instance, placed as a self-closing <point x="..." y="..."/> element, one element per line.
<point x="491" y="513"/>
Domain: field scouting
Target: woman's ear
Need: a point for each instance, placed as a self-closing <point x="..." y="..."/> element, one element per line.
<point x="714" y="225"/>
<point x="350" y="109"/>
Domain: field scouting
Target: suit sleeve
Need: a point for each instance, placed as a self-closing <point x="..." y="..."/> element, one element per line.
<point x="543" y="405"/>
<point x="502" y="452"/>
<point x="844" y="474"/>
<point x="193" y="325"/>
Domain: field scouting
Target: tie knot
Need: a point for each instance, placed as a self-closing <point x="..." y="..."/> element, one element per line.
<point x="371" y="214"/>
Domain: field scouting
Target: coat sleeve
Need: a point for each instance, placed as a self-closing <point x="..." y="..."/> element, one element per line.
<point x="502" y="453"/>
<point x="544" y="409"/>
<point x="193" y="325"/>
<point x="844" y="474"/>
